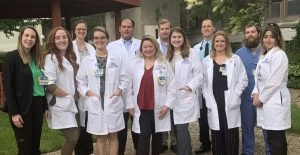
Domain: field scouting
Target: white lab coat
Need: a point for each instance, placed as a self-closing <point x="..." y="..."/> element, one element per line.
<point x="81" y="108"/>
<point x="118" y="48"/>
<point x="111" y="119"/>
<point x="188" y="72"/>
<point x="163" y="95"/>
<point x="236" y="81"/>
<point x="271" y="78"/>
<point x="63" y="112"/>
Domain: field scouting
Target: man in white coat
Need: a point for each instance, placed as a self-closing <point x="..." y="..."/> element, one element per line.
<point x="203" y="49"/>
<point x="127" y="47"/>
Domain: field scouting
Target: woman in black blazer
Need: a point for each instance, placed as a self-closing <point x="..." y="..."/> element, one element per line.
<point x="25" y="97"/>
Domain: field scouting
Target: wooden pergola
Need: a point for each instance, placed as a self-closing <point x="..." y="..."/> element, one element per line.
<point x="56" y="9"/>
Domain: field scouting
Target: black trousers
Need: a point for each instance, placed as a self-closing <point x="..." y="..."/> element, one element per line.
<point x="28" y="138"/>
<point x="84" y="144"/>
<point x="203" y="126"/>
<point x="147" y="126"/>
<point x="225" y="142"/>
<point x="277" y="142"/>
<point x="122" y="135"/>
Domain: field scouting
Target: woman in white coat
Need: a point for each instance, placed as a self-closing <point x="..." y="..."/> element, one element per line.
<point x="82" y="49"/>
<point x="152" y="81"/>
<point x="60" y="69"/>
<point x="101" y="80"/>
<point x="188" y="78"/>
<point x="270" y="93"/>
<point x="225" y="79"/>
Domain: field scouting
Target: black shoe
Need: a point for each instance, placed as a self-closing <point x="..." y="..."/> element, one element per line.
<point x="202" y="149"/>
<point x="174" y="148"/>
<point x="164" y="148"/>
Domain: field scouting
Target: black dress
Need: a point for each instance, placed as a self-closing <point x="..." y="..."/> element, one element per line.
<point x="224" y="141"/>
<point x="219" y="86"/>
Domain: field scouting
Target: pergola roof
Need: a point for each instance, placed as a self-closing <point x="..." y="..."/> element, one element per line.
<point x="12" y="9"/>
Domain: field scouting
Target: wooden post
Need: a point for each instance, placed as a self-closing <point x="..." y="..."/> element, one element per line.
<point x="56" y="13"/>
<point x="117" y="23"/>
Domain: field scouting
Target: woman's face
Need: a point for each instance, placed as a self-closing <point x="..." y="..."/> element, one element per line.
<point x="61" y="40"/>
<point x="28" y="39"/>
<point x="269" y="40"/>
<point x="220" y="43"/>
<point x="148" y="49"/>
<point x="100" y="40"/>
<point x="81" y="31"/>
<point x="177" y="40"/>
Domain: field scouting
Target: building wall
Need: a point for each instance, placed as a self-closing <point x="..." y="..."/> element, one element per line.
<point x="147" y="16"/>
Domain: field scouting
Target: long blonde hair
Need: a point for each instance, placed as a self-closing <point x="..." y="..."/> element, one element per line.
<point x="35" y="51"/>
<point x="228" y="50"/>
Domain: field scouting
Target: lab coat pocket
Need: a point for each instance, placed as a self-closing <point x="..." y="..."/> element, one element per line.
<point x="66" y="103"/>
<point x="93" y="105"/>
<point x="186" y="96"/>
<point x="116" y="104"/>
<point x="235" y="101"/>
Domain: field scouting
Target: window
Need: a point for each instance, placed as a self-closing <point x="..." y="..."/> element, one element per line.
<point x="274" y="9"/>
<point x="293" y="7"/>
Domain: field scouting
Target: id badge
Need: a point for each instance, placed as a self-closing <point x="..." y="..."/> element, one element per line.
<point x="223" y="71"/>
<point x="97" y="73"/>
<point x="161" y="80"/>
<point x="43" y="80"/>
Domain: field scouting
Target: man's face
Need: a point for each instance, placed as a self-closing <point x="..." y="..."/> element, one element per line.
<point x="164" y="31"/>
<point x="207" y="29"/>
<point x="126" y="29"/>
<point x="251" y="39"/>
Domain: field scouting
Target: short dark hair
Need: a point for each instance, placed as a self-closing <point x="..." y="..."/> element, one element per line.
<point x="251" y="25"/>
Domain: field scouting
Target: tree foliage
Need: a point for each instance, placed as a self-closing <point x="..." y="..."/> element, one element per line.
<point x="8" y="26"/>
<point x="233" y="15"/>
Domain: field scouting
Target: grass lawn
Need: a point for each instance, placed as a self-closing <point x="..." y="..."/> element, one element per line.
<point x="295" y="119"/>
<point x="51" y="139"/>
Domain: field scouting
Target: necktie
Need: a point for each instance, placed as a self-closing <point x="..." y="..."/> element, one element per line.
<point x="206" y="50"/>
<point x="127" y="44"/>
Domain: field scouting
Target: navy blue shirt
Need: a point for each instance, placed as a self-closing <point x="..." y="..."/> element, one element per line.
<point x="249" y="60"/>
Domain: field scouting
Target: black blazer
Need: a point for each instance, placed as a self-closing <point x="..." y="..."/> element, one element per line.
<point x="18" y="85"/>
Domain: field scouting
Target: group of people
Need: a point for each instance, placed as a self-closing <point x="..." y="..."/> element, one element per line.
<point x="161" y="84"/>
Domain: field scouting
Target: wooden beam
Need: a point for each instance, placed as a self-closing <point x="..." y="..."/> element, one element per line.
<point x="56" y="13"/>
<point x="117" y="23"/>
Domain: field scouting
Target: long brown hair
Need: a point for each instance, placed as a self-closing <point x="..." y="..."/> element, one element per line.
<point x="35" y="51"/>
<point x="276" y="32"/>
<point x="185" y="48"/>
<point x="52" y="49"/>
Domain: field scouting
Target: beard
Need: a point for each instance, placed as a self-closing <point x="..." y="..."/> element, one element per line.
<point x="251" y="42"/>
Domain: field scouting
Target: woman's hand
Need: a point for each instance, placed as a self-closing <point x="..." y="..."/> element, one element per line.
<point x="17" y="120"/>
<point x="163" y="111"/>
<point x="256" y="101"/>
<point x="90" y="93"/>
<point x="118" y="92"/>
<point x="186" y="88"/>
<point x="131" y="112"/>
<point x="47" y="114"/>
